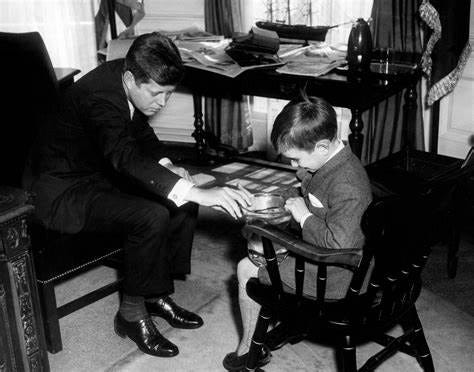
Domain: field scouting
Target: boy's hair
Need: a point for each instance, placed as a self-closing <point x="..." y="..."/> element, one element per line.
<point x="302" y="123"/>
<point x="154" y="56"/>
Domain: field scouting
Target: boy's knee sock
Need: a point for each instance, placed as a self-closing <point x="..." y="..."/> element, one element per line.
<point x="249" y="310"/>
<point x="132" y="308"/>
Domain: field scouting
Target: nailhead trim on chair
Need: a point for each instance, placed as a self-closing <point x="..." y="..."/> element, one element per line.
<point x="78" y="268"/>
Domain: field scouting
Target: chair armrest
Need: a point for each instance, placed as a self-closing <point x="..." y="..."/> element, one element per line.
<point x="348" y="257"/>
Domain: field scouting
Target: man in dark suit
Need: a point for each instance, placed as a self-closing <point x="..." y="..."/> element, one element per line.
<point x="102" y="169"/>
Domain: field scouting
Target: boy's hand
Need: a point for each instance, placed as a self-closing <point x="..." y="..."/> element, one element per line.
<point x="225" y="198"/>
<point x="297" y="207"/>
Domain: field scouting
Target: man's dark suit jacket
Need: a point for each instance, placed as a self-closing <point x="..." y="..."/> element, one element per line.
<point x="93" y="144"/>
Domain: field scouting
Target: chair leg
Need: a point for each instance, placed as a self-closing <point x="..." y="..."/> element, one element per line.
<point x="418" y="341"/>
<point x="50" y="317"/>
<point x="347" y="357"/>
<point x="258" y="339"/>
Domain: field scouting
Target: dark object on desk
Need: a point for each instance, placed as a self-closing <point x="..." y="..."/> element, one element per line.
<point x="22" y="344"/>
<point x="387" y="62"/>
<point x="57" y="256"/>
<point x="300" y="32"/>
<point x="258" y="47"/>
<point x="364" y="314"/>
<point x="440" y="179"/>
<point x="389" y="69"/>
<point x="359" y="47"/>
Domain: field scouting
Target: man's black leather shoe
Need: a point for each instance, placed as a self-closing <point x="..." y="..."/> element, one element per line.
<point x="144" y="333"/>
<point x="175" y="315"/>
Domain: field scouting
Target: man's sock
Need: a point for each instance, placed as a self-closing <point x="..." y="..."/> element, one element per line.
<point x="153" y="299"/>
<point x="132" y="308"/>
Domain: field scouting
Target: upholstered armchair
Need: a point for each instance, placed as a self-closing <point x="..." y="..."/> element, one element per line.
<point x="30" y="101"/>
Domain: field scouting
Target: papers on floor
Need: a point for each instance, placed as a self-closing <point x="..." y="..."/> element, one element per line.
<point x="230" y="168"/>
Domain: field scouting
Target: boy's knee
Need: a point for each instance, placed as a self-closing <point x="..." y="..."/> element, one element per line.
<point x="246" y="270"/>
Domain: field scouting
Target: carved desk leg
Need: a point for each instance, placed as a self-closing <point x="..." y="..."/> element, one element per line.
<point x="356" y="137"/>
<point x="409" y="124"/>
<point x="409" y="116"/>
<point x="22" y="346"/>
<point x="198" y="133"/>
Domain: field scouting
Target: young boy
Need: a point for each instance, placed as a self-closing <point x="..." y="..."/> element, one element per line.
<point x="335" y="192"/>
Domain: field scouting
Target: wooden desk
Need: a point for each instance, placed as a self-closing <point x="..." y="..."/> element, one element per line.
<point x="340" y="90"/>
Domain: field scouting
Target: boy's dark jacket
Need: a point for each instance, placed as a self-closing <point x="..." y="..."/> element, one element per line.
<point x="92" y="144"/>
<point x="343" y="188"/>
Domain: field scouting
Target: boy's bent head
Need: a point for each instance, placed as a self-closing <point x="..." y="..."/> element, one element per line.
<point x="305" y="131"/>
<point x="154" y="57"/>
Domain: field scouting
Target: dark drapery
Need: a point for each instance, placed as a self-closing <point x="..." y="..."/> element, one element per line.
<point x="396" y="25"/>
<point x="227" y="119"/>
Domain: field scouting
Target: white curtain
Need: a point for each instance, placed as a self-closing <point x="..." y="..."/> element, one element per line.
<point x="66" y="26"/>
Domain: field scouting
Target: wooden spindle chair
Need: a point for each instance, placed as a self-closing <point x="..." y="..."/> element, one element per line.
<point x="393" y="257"/>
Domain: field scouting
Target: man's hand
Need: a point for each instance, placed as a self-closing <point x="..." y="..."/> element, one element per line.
<point x="225" y="198"/>
<point x="297" y="207"/>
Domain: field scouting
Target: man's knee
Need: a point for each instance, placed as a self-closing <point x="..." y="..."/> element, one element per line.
<point x="152" y="217"/>
<point x="246" y="270"/>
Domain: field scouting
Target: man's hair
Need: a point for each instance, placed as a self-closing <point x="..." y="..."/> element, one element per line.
<point x="302" y="123"/>
<point x="154" y="56"/>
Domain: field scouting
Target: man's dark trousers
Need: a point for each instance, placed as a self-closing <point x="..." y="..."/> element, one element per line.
<point x="158" y="238"/>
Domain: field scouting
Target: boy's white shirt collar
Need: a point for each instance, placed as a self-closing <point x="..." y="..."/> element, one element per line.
<point x="339" y="147"/>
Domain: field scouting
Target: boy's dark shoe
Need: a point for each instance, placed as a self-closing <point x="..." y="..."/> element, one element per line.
<point x="175" y="315"/>
<point x="232" y="362"/>
<point x="144" y="333"/>
<point x="281" y="335"/>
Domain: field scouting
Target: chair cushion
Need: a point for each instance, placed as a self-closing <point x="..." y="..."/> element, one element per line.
<point x="60" y="255"/>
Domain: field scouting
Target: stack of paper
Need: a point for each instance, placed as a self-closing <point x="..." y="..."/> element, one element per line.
<point x="312" y="60"/>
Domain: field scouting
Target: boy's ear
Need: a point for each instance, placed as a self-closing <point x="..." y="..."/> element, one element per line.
<point x="129" y="79"/>
<point x="322" y="146"/>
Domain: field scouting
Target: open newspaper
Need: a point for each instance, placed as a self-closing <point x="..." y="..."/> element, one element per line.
<point x="315" y="59"/>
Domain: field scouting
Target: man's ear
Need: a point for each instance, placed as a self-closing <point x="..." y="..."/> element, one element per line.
<point x="129" y="79"/>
